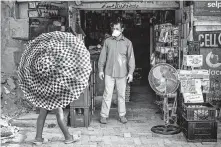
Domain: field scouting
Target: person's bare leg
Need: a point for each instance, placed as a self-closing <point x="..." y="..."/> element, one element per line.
<point x="61" y="123"/>
<point x="40" y="123"/>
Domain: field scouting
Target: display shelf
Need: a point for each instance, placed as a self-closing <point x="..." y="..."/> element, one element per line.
<point x="167" y="44"/>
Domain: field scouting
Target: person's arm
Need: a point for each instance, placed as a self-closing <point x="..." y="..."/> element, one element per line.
<point x="102" y="58"/>
<point x="131" y="59"/>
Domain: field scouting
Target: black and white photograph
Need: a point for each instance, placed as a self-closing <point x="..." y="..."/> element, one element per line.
<point x="115" y="73"/>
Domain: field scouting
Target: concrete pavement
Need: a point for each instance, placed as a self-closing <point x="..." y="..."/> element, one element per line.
<point x="141" y="114"/>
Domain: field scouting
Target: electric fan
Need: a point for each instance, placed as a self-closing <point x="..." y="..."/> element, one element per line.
<point x="163" y="79"/>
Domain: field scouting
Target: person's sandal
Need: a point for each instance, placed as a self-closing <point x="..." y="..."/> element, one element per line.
<point x="123" y="119"/>
<point x="40" y="142"/>
<point x="75" y="138"/>
<point x="103" y="120"/>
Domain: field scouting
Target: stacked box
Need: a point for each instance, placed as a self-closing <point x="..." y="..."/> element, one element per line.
<point x="198" y="122"/>
<point x="198" y="112"/>
<point x="200" y="131"/>
<point x="80" y="117"/>
<point x="84" y="100"/>
<point x="81" y="109"/>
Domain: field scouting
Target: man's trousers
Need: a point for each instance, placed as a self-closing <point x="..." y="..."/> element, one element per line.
<point x="108" y="92"/>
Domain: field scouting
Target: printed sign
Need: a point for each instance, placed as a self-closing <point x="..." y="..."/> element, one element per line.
<point x="208" y="39"/>
<point x="126" y="5"/>
<point x="191" y="86"/>
<point x="194" y="74"/>
<point x="193" y="60"/>
<point x="207" y="8"/>
<point x="193" y="98"/>
<point x="212" y="62"/>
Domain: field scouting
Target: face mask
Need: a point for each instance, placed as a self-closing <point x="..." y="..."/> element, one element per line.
<point x="116" y="33"/>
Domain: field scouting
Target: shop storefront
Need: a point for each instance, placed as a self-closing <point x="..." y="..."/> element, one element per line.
<point x="140" y="18"/>
<point x="207" y="32"/>
<point x="161" y="32"/>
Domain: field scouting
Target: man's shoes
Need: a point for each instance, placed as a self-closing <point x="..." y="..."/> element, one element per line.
<point x="103" y="120"/>
<point x="123" y="119"/>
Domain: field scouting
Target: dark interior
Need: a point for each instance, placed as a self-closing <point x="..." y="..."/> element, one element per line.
<point x="137" y="28"/>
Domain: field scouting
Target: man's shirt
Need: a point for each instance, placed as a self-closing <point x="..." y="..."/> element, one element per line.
<point x="117" y="57"/>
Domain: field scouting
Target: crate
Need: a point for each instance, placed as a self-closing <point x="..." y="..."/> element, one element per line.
<point x="194" y="112"/>
<point x="80" y="120"/>
<point x="84" y="100"/>
<point x="200" y="131"/>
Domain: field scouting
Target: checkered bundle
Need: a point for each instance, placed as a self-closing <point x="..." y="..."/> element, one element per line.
<point x="54" y="70"/>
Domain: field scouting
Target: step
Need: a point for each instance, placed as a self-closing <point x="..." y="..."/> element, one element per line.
<point x="30" y="120"/>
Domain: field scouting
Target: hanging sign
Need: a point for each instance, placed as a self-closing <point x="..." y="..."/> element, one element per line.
<point x="207" y="8"/>
<point x="193" y="60"/>
<point x="125" y="5"/>
<point x="208" y="39"/>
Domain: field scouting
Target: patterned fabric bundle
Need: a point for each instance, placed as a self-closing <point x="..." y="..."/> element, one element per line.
<point x="54" y="70"/>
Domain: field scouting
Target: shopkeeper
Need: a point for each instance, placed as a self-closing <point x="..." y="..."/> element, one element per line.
<point x="116" y="66"/>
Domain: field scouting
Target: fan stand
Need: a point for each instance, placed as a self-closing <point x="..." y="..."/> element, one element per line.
<point x="166" y="129"/>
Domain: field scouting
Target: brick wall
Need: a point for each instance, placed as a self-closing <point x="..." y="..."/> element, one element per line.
<point x="11" y="49"/>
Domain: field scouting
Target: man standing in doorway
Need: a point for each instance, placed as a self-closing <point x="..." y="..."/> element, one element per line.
<point x="116" y="66"/>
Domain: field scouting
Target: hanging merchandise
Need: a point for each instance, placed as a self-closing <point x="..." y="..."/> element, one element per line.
<point x="167" y="43"/>
<point x="165" y="33"/>
<point x="137" y="20"/>
<point x="153" y="59"/>
<point x="176" y="31"/>
<point x="193" y="47"/>
<point x="170" y="55"/>
<point x="175" y="41"/>
<point x="176" y="51"/>
<point x="46" y="17"/>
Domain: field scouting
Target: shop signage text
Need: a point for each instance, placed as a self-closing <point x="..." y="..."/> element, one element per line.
<point x="127" y="5"/>
<point x="209" y="39"/>
<point x="120" y="5"/>
<point x="207" y="8"/>
<point x="212" y="62"/>
<point x="214" y="4"/>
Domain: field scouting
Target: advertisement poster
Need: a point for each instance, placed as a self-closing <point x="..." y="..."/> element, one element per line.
<point x="212" y="62"/>
<point x="207" y="8"/>
<point x="208" y="39"/>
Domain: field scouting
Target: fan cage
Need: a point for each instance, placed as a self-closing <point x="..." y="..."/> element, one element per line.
<point x="153" y="85"/>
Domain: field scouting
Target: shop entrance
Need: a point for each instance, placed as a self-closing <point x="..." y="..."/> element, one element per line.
<point x="139" y="28"/>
